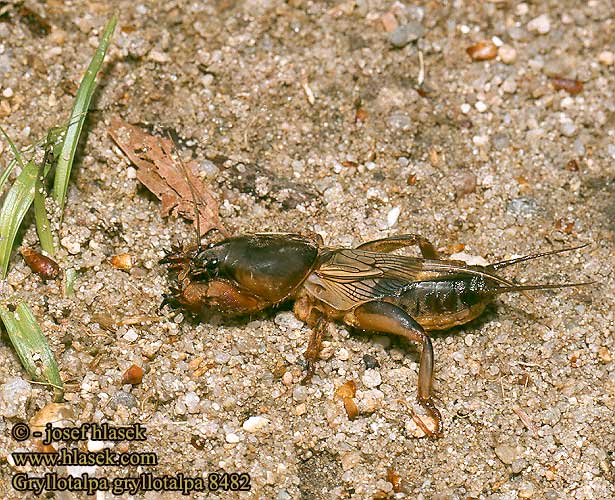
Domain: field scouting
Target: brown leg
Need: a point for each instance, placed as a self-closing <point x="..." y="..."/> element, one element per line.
<point x="385" y="317"/>
<point x="314" y="348"/>
<point x="403" y="240"/>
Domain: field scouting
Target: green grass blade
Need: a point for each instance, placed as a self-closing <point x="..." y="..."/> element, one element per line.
<point x="43" y="227"/>
<point x="54" y="135"/>
<point x="7" y="171"/>
<point x="78" y="115"/>
<point x="32" y="347"/>
<point x="70" y="277"/>
<point x="13" y="148"/>
<point x="16" y="204"/>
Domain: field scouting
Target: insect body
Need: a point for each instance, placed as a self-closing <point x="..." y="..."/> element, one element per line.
<point x="366" y="287"/>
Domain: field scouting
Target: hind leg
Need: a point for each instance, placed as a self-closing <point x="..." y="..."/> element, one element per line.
<point x="386" y="245"/>
<point x="380" y="316"/>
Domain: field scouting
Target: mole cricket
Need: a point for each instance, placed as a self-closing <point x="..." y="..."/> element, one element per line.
<point x="367" y="287"/>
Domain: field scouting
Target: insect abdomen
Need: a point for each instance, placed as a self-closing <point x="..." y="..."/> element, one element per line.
<point x="442" y="304"/>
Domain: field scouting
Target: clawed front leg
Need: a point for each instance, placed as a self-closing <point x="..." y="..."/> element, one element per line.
<point x="385" y="317"/>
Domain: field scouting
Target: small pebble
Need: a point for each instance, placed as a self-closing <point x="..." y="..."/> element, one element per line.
<point x="7" y="92"/>
<point x="287" y="319"/>
<point x="605" y="355"/>
<point x="506" y="453"/>
<point x="472" y="260"/>
<point x="389" y="22"/>
<point x="125" y="399"/>
<point x="480" y="140"/>
<point x="509" y="85"/>
<point x="507" y="54"/>
<point x="500" y="141"/>
<point x="518" y="465"/>
<point x="287" y="378"/>
<point x="72" y="246"/>
<point x="465" y="184"/>
<point x="210" y="170"/>
<point x="283" y="495"/>
<point x="392" y="216"/>
<point x="480" y="106"/>
<point x="406" y="33"/>
<point x="526" y="490"/>
<point x="606" y="58"/>
<point x="370" y="362"/>
<point x="95" y="446"/>
<point x="14" y="395"/>
<point x="342" y="354"/>
<point x="192" y="400"/>
<point x="523" y="206"/>
<point x="371" y="378"/>
<point x="123" y="261"/>
<point x="231" y="438"/>
<point x="255" y="424"/>
<point x="568" y="129"/>
<point x="482" y="51"/>
<point x="131" y="335"/>
<point x="465" y="108"/>
<point x="573" y="87"/>
<point x="159" y="56"/>
<point x="400" y="121"/>
<point x="300" y="393"/>
<point x="131" y="173"/>
<point x="349" y="460"/>
<point x="540" y="25"/>
<point x="370" y="401"/>
<point x="133" y="376"/>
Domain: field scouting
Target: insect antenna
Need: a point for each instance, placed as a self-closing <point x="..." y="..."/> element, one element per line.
<point x="544" y="286"/>
<point x="193" y="192"/>
<point x="505" y="263"/>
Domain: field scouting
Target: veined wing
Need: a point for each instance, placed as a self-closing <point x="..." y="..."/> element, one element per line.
<point x="350" y="277"/>
<point x="353" y="276"/>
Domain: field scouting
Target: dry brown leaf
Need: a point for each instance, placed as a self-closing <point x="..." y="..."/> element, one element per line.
<point x="162" y="173"/>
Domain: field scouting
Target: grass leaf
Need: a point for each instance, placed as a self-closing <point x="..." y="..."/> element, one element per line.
<point x="78" y="115"/>
<point x="43" y="227"/>
<point x="70" y="276"/>
<point x="32" y="347"/>
<point x="16" y="152"/>
<point x="16" y="204"/>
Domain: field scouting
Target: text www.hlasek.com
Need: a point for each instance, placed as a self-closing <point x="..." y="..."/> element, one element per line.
<point x="76" y="457"/>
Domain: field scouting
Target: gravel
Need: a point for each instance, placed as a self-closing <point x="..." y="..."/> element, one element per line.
<point x="406" y="33"/>
<point x="486" y="159"/>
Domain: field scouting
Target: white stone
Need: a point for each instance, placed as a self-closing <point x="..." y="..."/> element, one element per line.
<point x="130" y="335"/>
<point x="507" y="54"/>
<point x="606" y="58"/>
<point x="231" y="438"/>
<point x="371" y="378"/>
<point x="94" y="446"/>
<point x="472" y="260"/>
<point x="540" y="24"/>
<point x="342" y="354"/>
<point x="392" y="216"/>
<point x="255" y="424"/>
<point x="480" y="140"/>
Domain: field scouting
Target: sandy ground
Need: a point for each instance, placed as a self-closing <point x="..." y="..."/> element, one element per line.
<point x="320" y="103"/>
